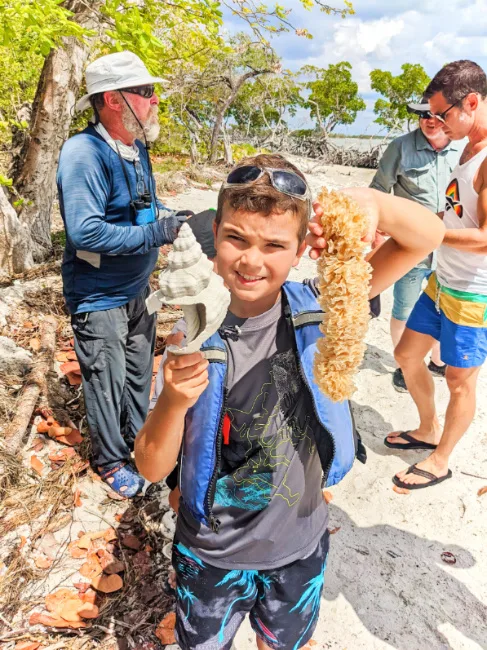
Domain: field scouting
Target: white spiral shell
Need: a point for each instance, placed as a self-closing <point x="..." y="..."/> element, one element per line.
<point x="189" y="281"/>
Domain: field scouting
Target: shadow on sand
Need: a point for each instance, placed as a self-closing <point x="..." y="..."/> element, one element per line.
<point x="400" y="588"/>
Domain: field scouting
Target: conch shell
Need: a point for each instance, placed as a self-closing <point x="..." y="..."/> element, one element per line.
<point x="343" y="276"/>
<point x="189" y="281"/>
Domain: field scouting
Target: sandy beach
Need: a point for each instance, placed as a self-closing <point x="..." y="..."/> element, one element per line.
<point x="386" y="584"/>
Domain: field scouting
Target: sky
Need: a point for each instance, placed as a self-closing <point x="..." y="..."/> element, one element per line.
<point x="383" y="34"/>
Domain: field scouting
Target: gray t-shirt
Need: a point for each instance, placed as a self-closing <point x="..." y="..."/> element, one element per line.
<point x="268" y="495"/>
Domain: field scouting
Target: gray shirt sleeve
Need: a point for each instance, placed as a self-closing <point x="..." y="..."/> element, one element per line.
<point x="386" y="176"/>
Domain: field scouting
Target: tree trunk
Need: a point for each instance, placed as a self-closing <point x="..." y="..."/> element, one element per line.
<point x="15" y="240"/>
<point x="35" y="386"/>
<point x="235" y="86"/>
<point x="34" y="170"/>
<point x="227" y="147"/>
<point x="217" y="127"/>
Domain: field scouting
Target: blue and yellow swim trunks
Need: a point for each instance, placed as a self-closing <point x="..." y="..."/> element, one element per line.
<point x="457" y="319"/>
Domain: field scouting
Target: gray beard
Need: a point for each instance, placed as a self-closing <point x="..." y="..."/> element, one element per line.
<point x="150" y="130"/>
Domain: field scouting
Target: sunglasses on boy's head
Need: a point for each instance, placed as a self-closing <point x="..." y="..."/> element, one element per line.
<point x="283" y="180"/>
<point x="143" y="91"/>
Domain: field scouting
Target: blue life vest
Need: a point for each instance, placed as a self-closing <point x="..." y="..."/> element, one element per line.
<point x="201" y="451"/>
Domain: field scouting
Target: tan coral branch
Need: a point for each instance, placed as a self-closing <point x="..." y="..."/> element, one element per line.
<point x="344" y="277"/>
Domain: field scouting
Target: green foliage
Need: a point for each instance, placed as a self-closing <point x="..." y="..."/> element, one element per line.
<point x="333" y="97"/>
<point x="4" y="181"/>
<point x="36" y="25"/>
<point x="266" y="103"/>
<point x="398" y="92"/>
<point x="177" y="39"/>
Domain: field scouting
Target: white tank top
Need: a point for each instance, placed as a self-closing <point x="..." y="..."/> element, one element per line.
<point x="457" y="269"/>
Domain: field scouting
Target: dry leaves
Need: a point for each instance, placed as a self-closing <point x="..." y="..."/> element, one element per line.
<point x="483" y="490"/>
<point x="68" y="608"/>
<point x="165" y="629"/>
<point x="38" y="444"/>
<point x="55" y="621"/>
<point x="70" y="366"/>
<point x="42" y="562"/>
<point x="62" y="455"/>
<point x="107" y="584"/>
<point x="72" y="371"/>
<point x="75" y="551"/>
<point x="36" y="464"/>
<point x="77" y="498"/>
<point x="55" y="431"/>
<point x="131" y="541"/>
<point x="35" y="344"/>
<point x="74" y="438"/>
<point x="91" y="568"/>
<point x="27" y="645"/>
<point x="43" y="427"/>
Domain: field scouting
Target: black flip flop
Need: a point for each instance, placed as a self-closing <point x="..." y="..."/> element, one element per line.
<point x="433" y="480"/>
<point x="412" y="444"/>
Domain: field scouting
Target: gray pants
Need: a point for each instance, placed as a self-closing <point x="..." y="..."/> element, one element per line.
<point x="115" y="350"/>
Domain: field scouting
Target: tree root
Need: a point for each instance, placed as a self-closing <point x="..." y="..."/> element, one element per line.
<point x="35" y="386"/>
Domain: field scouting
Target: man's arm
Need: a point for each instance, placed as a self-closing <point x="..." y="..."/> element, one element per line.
<point x="84" y="184"/>
<point x="414" y="232"/>
<point x="473" y="240"/>
<point x="386" y="175"/>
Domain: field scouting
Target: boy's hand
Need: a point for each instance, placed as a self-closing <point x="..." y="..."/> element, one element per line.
<point x="366" y="200"/>
<point x="185" y="376"/>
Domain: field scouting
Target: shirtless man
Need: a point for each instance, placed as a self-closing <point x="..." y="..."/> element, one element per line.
<point x="453" y="307"/>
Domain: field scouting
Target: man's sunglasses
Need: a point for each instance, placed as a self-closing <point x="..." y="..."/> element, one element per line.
<point x="442" y="116"/>
<point x="143" y="91"/>
<point x="284" y="181"/>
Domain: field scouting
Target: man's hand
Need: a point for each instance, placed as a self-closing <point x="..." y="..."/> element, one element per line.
<point x="366" y="200"/>
<point x="185" y="376"/>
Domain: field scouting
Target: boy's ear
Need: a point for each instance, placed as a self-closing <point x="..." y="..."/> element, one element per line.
<point x="299" y="253"/>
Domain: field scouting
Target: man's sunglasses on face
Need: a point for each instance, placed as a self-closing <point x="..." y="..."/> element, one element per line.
<point x="441" y="117"/>
<point x="143" y="91"/>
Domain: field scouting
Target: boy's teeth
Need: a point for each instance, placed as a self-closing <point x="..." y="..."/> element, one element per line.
<point x="250" y="277"/>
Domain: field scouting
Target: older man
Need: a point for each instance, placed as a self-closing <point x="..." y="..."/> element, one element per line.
<point x="416" y="166"/>
<point x="453" y="308"/>
<point x="114" y="228"/>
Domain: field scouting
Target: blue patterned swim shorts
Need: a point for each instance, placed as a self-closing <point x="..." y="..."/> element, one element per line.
<point x="283" y="604"/>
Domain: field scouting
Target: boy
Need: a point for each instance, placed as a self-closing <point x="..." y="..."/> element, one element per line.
<point x="252" y="533"/>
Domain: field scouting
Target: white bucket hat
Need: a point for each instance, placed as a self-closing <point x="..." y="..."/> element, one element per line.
<point x="113" y="72"/>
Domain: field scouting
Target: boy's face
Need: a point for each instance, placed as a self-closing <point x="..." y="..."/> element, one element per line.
<point x="255" y="254"/>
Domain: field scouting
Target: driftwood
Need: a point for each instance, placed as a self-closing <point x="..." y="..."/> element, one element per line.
<point x="34" y="386"/>
<point x="322" y="147"/>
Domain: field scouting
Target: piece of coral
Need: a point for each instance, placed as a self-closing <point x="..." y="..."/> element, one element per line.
<point x="343" y="277"/>
<point x="190" y="282"/>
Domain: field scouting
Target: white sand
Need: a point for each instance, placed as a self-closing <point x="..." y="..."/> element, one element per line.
<point x="386" y="585"/>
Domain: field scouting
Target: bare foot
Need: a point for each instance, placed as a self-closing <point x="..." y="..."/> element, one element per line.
<point x="431" y="465"/>
<point x="432" y="437"/>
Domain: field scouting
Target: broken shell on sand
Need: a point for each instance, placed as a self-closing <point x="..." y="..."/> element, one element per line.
<point x="189" y="281"/>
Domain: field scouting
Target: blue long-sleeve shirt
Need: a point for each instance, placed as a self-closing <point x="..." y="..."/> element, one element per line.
<point x="108" y="259"/>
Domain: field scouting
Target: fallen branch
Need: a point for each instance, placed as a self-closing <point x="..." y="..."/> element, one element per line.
<point x="35" y="385"/>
